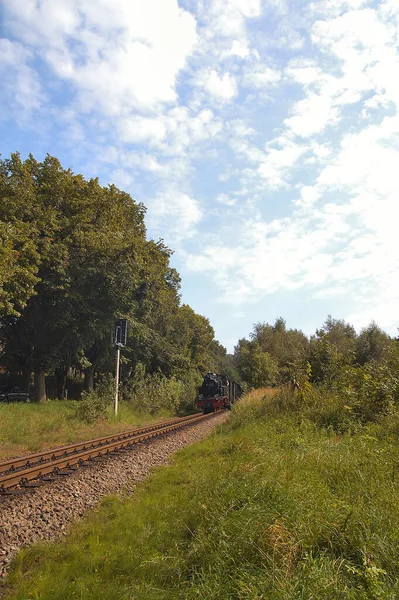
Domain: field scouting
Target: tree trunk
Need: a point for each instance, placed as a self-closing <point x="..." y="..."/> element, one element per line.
<point x="61" y="377"/>
<point x="27" y="377"/>
<point x="40" y="385"/>
<point x="89" y="378"/>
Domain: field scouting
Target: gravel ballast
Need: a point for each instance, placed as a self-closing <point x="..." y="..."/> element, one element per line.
<point x="46" y="513"/>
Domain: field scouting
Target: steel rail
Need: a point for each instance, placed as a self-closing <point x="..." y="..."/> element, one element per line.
<point x="107" y="446"/>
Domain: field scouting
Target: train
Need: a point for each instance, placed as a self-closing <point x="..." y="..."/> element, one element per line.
<point x="217" y="393"/>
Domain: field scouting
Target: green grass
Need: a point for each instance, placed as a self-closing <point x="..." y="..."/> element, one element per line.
<point x="33" y="427"/>
<point x="275" y="507"/>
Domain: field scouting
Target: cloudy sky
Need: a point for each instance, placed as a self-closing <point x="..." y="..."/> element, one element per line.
<point x="262" y="135"/>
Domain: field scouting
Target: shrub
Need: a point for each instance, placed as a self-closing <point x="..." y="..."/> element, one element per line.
<point x="153" y="392"/>
<point x="94" y="404"/>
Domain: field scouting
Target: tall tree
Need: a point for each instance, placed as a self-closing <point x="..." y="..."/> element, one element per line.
<point x="256" y="367"/>
<point x="19" y="253"/>
<point x="88" y="240"/>
<point x="284" y="345"/>
<point x="372" y="344"/>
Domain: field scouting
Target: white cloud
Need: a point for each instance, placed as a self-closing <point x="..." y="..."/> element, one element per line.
<point x="227" y="19"/>
<point x="20" y="83"/>
<point x="136" y="129"/>
<point x="238" y="48"/>
<point x="221" y="86"/>
<point x="118" y="54"/>
<point x="383" y="311"/>
<point x="304" y="71"/>
<point x="261" y="76"/>
<point x="122" y="178"/>
<point x="312" y="115"/>
<point x="343" y="229"/>
<point x="364" y="45"/>
<point x="309" y="195"/>
<point x="175" y="212"/>
<point x="307" y="159"/>
<point x="226" y="199"/>
<point x="224" y="31"/>
<point x="333" y="8"/>
<point x="277" y="163"/>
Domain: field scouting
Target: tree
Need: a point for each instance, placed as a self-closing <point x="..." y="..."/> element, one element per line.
<point x="88" y="238"/>
<point x="340" y="334"/>
<point x="284" y="345"/>
<point x="331" y="349"/>
<point x="372" y="344"/>
<point x="78" y="259"/>
<point x="257" y="368"/>
<point x="19" y="255"/>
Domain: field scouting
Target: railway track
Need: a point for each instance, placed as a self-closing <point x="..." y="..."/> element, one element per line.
<point x="21" y="473"/>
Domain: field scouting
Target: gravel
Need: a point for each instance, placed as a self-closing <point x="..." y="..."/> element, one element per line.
<point x="47" y="512"/>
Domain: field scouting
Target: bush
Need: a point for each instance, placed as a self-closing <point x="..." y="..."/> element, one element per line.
<point x="154" y="392"/>
<point x="93" y="405"/>
<point x="369" y="390"/>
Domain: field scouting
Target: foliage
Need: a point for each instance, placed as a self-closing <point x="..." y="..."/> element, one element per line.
<point x="360" y="372"/>
<point x="372" y="344"/>
<point x="328" y="364"/>
<point x="258" y="369"/>
<point x="265" y="359"/>
<point x="153" y="392"/>
<point x="94" y="404"/>
<point x="74" y="258"/>
<point x="339" y="334"/>
<point x="19" y="264"/>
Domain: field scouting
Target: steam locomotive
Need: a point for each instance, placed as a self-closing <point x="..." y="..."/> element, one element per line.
<point x="217" y="393"/>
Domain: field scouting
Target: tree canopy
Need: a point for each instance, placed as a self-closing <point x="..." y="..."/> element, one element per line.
<point x="74" y="258"/>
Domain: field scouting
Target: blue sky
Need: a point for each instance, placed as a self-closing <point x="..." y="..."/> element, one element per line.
<point x="262" y="135"/>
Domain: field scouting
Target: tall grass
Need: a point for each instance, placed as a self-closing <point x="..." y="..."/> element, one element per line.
<point x="32" y="427"/>
<point x="288" y="502"/>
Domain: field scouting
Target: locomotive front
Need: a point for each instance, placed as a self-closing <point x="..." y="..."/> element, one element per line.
<point x="214" y="393"/>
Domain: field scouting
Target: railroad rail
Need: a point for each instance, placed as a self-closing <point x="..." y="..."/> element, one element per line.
<point x="35" y="469"/>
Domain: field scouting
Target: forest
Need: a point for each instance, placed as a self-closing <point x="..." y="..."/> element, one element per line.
<point x="74" y="258"/>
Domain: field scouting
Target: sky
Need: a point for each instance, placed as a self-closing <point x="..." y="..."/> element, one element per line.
<point x="261" y="135"/>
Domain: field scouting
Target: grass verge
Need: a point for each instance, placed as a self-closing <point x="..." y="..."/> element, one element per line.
<point x="278" y="506"/>
<point x="34" y="427"/>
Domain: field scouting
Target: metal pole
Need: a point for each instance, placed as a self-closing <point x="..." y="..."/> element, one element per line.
<point x="118" y="352"/>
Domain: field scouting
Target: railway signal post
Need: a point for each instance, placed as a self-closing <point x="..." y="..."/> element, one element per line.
<point x="120" y="340"/>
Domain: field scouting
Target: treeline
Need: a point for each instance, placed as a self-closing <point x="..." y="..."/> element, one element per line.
<point x="74" y="257"/>
<point x="362" y="367"/>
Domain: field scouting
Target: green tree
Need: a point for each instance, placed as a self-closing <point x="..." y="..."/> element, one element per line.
<point x="19" y="253"/>
<point x="88" y="238"/>
<point x="340" y="334"/>
<point x="372" y="344"/>
<point x="286" y="346"/>
<point x="257" y="368"/>
<point x="77" y="259"/>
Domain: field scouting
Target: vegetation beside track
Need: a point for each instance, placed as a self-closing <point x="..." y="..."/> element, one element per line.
<point x="33" y="427"/>
<point x="295" y="499"/>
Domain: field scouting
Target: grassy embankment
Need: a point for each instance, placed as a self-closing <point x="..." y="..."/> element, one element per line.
<point x="34" y="427"/>
<point x="288" y="502"/>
